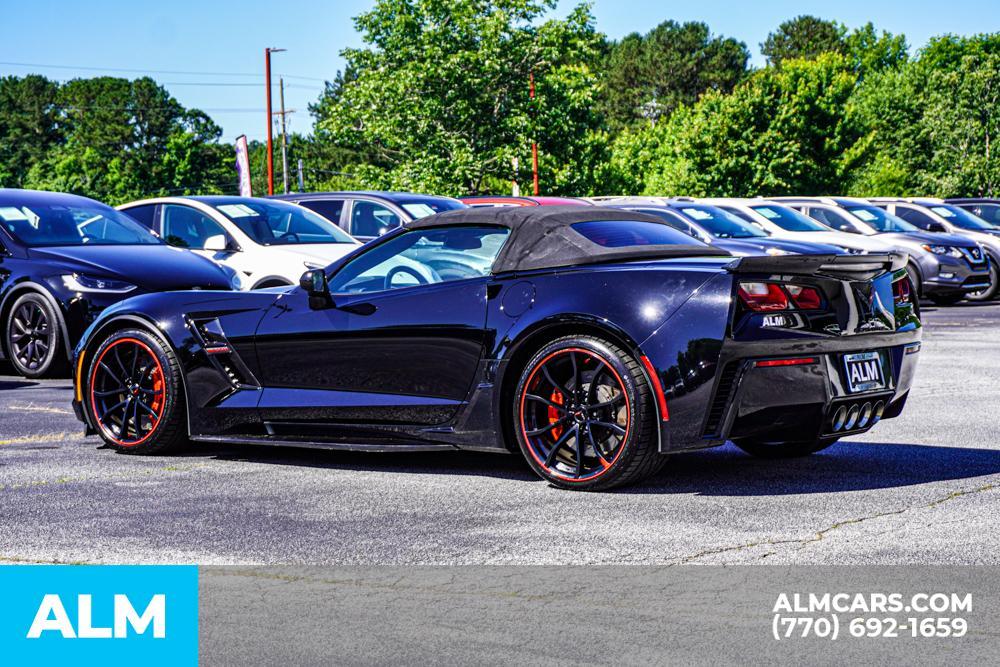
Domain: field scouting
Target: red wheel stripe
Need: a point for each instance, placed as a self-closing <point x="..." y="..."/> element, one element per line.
<point x="628" y="411"/>
<point x="93" y="397"/>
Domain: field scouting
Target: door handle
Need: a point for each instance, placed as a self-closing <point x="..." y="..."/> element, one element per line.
<point x="359" y="308"/>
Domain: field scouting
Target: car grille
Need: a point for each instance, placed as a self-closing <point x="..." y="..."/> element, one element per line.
<point x="975" y="256"/>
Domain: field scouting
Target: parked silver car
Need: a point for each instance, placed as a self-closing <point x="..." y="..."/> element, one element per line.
<point x="943" y="267"/>
<point x="938" y="217"/>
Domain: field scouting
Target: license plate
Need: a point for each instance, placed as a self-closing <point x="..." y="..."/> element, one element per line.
<point x="864" y="372"/>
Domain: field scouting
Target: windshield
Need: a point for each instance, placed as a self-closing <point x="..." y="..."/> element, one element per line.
<point x="47" y="225"/>
<point x="422" y="209"/>
<point x="278" y="223"/>
<point x="790" y="220"/>
<point x="720" y="224"/>
<point x="962" y="218"/>
<point x="881" y="221"/>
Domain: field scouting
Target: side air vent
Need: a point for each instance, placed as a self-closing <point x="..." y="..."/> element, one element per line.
<point x="723" y="395"/>
<point x="221" y="354"/>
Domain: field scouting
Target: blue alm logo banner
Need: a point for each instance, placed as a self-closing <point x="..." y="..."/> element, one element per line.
<point x="99" y="614"/>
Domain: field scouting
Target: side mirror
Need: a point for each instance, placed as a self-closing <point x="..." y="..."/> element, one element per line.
<point x="314" y="283"/>
<point x="936" y="227"/>
<point x="216" y="243"/>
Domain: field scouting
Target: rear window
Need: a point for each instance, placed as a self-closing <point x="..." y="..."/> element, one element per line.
<point x="627" y="233"/>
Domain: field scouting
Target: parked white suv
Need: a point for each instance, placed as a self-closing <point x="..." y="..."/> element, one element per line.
<point x="268" y="243"/>
<point x="784" y="222"/>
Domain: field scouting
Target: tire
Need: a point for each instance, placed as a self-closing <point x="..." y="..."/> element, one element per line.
<point x="580" y="385"/>
<point x="134" y="395"/>
<point x="991" y="292"/>
<point x="945" y="299"/>
<point x="914" y="275"/>
<point x="33" y="338"/>
<point x="782" y="450"/>
<point x="265" y="284"/>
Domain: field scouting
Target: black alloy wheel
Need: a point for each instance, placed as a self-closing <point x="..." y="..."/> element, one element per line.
<point x="34" y="337"/>
<point x="133" y="394"/>
<point x="992" y="290"/>
<point x="584" y="415"/>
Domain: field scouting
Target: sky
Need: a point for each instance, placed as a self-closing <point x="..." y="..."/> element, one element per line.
<point x="209" y="53"/>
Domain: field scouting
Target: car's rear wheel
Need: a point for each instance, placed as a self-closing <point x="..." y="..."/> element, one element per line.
<point x="34" y="337"/>
<point x="584" y="415"/>
<point x="765" y="449"/>
<point x="988" y="293"/>
<point x="134" y="394"/>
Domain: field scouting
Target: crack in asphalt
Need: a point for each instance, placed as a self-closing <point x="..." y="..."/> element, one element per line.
<point x="820" y="535"/>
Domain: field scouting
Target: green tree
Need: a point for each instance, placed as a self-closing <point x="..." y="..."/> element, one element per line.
<point x="803" y="37"/>
<point x="780" y="132"/>
<point x="28" y="125"/>
<point x="931" y="126"/>
<point x="122" y="140"/>
<point x="440" y="96"/>
<point x="871" y="51"/>
<point x="648" y="76"/>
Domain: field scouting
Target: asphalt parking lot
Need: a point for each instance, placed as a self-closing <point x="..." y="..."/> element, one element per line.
<point x="919" y="489"/>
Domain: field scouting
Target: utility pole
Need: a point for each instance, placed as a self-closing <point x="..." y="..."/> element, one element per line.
<point x="302" y="180"/>
<point x="284" y="136"/>
<point x="270" y="148"/>
<point x="534" y="144"/>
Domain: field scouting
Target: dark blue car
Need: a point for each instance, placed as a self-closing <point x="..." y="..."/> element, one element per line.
<point x="63" y="259"/>
<point x="593" y="341"/>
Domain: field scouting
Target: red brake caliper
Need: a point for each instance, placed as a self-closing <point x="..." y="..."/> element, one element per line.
<point x="553" y="414"/>
<point x="158" y="395"/>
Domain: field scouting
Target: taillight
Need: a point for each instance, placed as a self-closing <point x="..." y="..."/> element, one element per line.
<point x="902" y="291"/>
<point x="806" y="298"/>
<point x="765" y="297"/>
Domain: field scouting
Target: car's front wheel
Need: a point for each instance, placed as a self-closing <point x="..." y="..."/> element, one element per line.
<point x="134" y="394"/>
<point x="990" y="292"/>
<point x="33" y="337"/>
<point x="584" y="415"/>
<point x="765" y="449"/>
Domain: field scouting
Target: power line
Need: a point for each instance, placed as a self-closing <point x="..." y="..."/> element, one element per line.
<point x="154" y="71"/>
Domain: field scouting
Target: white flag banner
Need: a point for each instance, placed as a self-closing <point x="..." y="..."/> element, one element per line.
<point x="243" y="166"/>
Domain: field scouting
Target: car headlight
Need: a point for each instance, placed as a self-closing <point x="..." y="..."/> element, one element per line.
<point x="777" y="251"/>
<point x="943" y="250"/>
<point x="852" y="251"/>
<point x="313" y="265"/>
<point x="79" y="282"/>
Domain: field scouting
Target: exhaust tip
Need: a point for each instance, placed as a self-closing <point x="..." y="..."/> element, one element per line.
<point x="866" y="415"/>
<point x="839" y="418"/>
<point x="852" y="417"/>
<point x="879" y="409"/>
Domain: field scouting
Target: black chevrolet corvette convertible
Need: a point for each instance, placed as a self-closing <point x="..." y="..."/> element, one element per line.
<point x="594" y="340"/>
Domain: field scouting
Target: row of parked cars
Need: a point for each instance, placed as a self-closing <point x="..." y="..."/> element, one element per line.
<point x="65" y="258"/>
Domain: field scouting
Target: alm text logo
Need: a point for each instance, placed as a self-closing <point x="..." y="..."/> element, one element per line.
<point x="99" y="614"/>
<point x="52" y="616"/>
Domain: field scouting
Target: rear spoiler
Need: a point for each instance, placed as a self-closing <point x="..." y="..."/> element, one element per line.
<point x="849" y="267"/>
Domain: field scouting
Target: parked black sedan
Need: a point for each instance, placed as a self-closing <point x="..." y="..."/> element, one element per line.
<point x="63" y="259"/>
<point x="593" y="340"/>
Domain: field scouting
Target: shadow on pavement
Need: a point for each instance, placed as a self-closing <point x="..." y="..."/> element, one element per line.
<point x="724" y="471"/>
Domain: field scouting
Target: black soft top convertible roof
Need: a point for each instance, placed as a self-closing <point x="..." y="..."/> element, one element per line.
<point x="542" y="237"/>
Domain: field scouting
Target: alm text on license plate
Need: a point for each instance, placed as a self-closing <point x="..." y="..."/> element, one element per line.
<point x="864" y="371"/>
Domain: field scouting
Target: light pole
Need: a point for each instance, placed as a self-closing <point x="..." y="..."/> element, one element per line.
<point x="270" y="149"/>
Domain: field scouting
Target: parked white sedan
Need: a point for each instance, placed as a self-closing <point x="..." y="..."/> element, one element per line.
<point x="268" y="243"/>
